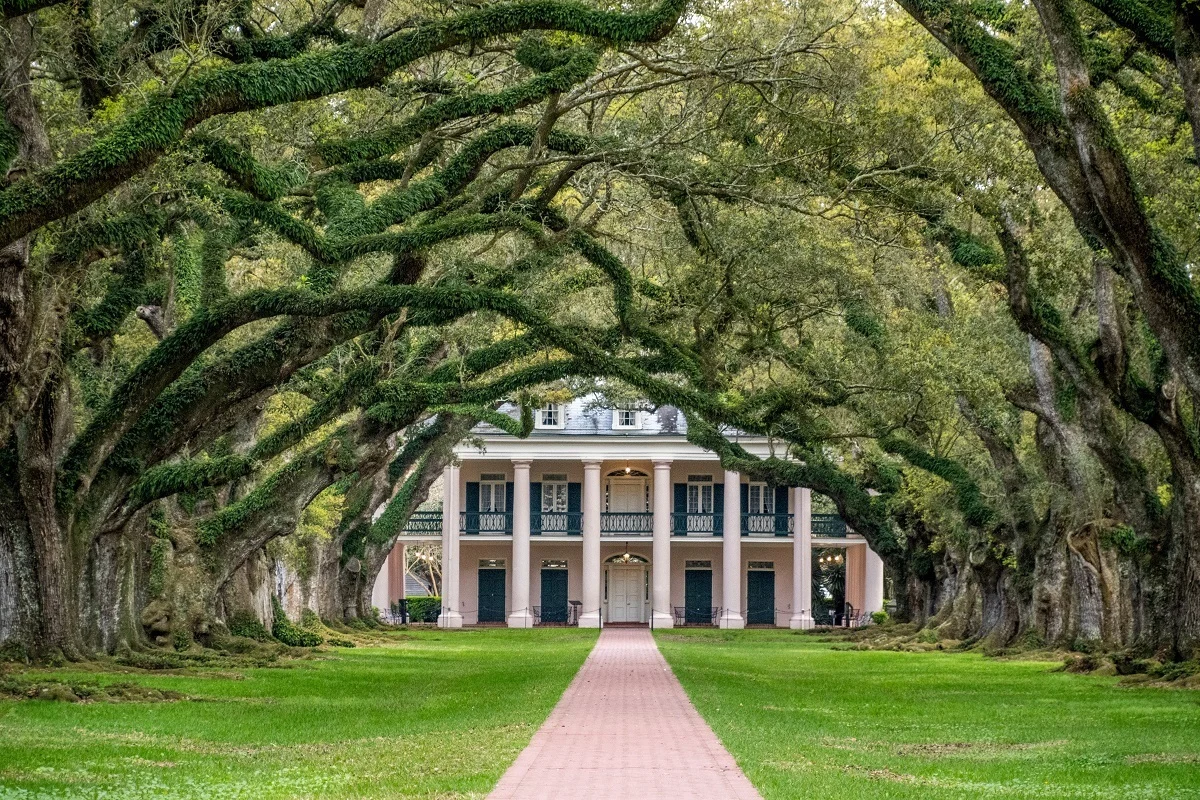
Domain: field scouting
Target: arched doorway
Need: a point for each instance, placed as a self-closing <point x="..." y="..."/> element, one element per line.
<point x="626" y="587"/>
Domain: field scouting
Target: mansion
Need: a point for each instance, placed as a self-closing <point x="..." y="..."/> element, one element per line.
<point x="609" y="515"/>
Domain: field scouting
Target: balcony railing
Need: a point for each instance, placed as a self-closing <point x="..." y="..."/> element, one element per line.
<point x="613" y="523"/>
<point x="766" y="524"/>
<point x="829" y="526"/>
<point x="493" y="523"/>
<point x="556" y="523"/>
<point x="626" y="523"/>
<point x="696" y="524"/>
<point x="424" y="522"/>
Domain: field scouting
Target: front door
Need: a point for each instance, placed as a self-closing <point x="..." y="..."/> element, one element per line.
<point x="491" y="595"/>
<point x="760" y="597"/>
<point x="697" y="596"/>
<point x="554" y="595"/>
<point x="626" y="590"/>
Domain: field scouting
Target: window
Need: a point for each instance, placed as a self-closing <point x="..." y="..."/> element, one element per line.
<point x="761" y="565"/>
<point x="554" y="497"/>
<point x="491" y="563"/>
<point x="697" y="564"/>
<point x="626" y="418"/>
<point x="554" y="563"/>
<point x="491" y="495"/>
<point x="762" y="499"/>
<point x="700" y="498"/>
<point x="551" y="416"/>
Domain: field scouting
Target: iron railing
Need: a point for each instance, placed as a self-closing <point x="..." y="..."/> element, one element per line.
<point x="696" y="524"/>
<point x="614" y="523"/>
<point x="556" y="523"/>
<point x="766" y="524"/>
<point x="486" y="522"/>
<point x="626" y="523"/>
<point x="424" y="522"/>
<point x="829" y="526"/>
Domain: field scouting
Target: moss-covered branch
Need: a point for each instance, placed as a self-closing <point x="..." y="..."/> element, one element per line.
<point x="139" y="140"/>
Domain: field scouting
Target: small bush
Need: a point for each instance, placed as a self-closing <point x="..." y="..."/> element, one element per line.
<point x="290" y="634"/>
<point x="333" y="641"/>
<point x="310" y="621"/>
<point x="879" y="617"/>
<point x="245" y="624"/>
<point x="424" y="609"/>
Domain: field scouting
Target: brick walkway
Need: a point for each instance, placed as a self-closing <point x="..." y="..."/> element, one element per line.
<point x="624" y="729"/>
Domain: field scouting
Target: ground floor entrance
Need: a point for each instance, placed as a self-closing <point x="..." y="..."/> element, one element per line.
<point x="491" y="594"/>
<point x="554" y="596"/>
<point x="760" y="597"/>
<point x="628" y="592"/>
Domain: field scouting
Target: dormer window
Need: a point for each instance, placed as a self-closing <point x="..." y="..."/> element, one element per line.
<point x="626" y="419"/>
<point x="551" y="416"/>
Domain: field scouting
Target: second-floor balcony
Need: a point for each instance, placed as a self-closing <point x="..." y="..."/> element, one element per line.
<point x="625" y="524"/>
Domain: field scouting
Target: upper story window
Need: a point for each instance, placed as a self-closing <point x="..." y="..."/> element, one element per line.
<point x="492" y="493"/>
<point x="761" y="499"/>
<point x="554" y="493"/>
<point x="700" y="494"/>
<point x="551" y="415"/>
<point x="626" y="419"/>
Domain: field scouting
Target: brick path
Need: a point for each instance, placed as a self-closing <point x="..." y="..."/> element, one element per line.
<point x="624" y="729"/>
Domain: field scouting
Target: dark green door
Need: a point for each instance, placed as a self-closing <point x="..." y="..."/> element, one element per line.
<point x="554" y="595"/>
<point x="491" y="595"/>
<point x="760" y="597"/>
<point x="697" y="596"/>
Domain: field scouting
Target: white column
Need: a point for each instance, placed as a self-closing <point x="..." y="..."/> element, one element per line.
<point x="873" y="583"/>
<point x="802" y="559"/>
<point x="451" y="616"/>
<point x="520" y="615"/>
<point x="590" y="615"/>
<point x="731" y="567"/>
<point x="661" y="568"/>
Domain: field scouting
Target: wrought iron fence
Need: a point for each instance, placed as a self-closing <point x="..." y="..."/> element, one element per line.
<point x="557" y="522"/>
<point x="424" y="522"/>
<point x="626" y="523"/>
<point x="766" y="524"/>
<point x="486" y="522"/>
<point x="829" y="525"/>
<point x="695" y="524"/>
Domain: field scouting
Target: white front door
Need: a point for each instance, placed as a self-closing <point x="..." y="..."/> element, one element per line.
<point x="626" y="593"/>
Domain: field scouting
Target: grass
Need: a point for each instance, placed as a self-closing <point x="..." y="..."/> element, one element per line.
<point x="806" y="720"/>
<point x="427" y="715"/>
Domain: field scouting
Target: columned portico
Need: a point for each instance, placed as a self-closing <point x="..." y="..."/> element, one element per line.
<point x="521" y="616"/>
<point x="451" y="617"/>
<point x="591" y="612"/>
<point x="731" y="569"/>
<point x="802" y="559"/>
<point x="661" y="568"/>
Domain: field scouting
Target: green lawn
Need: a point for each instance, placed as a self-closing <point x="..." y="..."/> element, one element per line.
<point x="433" y="715"/>
<point x="808" y="721"/>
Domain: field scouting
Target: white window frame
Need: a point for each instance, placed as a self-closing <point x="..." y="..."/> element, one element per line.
<point x="497" y="493"/>
<point x="633" y="423"/>
<point x="766" y="499"/>
<point x="554" y="497"/>
<point x="560" y="417"/>
<point x="696" y="497"/>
